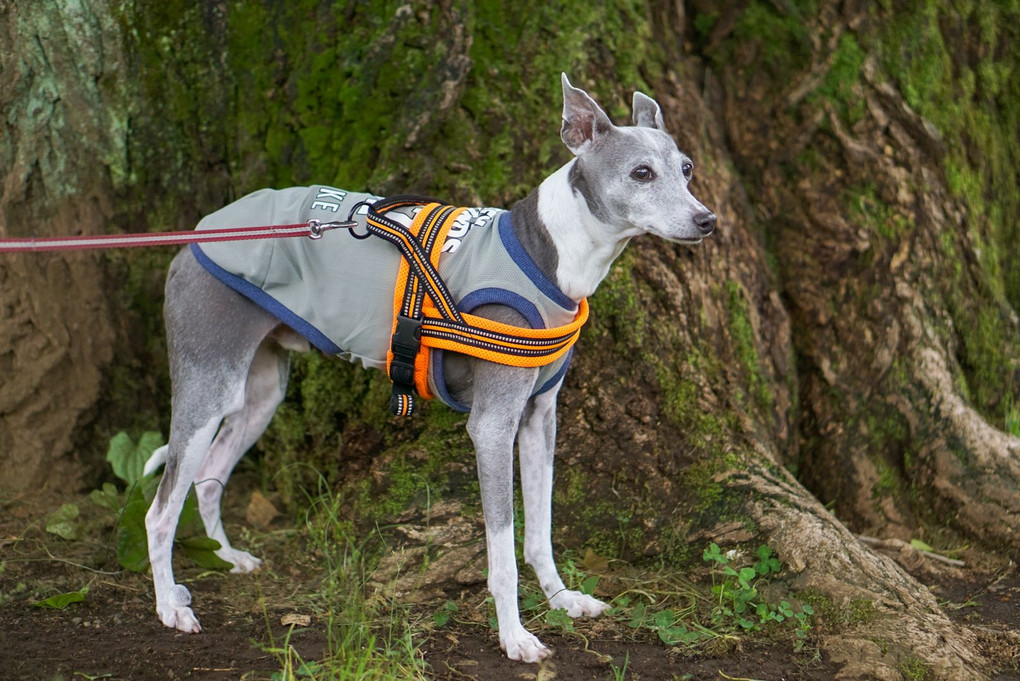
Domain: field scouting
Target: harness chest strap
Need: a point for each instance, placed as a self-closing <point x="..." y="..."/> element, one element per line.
<point x="426" y="316"/>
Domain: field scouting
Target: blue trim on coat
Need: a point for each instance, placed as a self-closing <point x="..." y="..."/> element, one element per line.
<point x="471" y="302"/>
<point x="520" y="256"/>
<point x="267" y="303"/>
<point x="558" y="376"/>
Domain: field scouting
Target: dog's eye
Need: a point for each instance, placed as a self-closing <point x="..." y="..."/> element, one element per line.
<point x="643" y="174"/>
<point x="688" y="170"/>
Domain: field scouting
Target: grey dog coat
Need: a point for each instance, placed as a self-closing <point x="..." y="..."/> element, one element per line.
<point x="338" y="291"/>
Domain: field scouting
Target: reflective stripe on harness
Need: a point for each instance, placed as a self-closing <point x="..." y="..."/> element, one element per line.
<point x="426" y="316"/>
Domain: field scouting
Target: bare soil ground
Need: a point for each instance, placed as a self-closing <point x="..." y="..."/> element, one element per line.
<point x="114" y="633"/>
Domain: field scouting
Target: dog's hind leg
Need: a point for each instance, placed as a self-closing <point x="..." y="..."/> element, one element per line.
<point x="184" y="459"/>
<point x="264" y="390"/>
<point x="213" y="335"/>
<point x="536" y="440"/>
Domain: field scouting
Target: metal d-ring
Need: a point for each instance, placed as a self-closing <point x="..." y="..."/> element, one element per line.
<point x="315" y="230"/>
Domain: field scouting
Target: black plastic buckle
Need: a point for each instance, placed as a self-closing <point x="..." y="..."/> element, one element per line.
<point x="405" y="344"/>
<point x="406" y="337"/>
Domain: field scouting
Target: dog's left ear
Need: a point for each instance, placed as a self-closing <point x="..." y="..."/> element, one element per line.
<point x="647" y="113"/>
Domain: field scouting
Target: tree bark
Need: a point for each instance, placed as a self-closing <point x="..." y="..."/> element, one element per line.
<point x="904" y="331"/>
<point x="62" y="141"/>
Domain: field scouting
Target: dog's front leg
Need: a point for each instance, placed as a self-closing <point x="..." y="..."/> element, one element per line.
<point x="500" y="395"/>
<point x="537" y="442"/>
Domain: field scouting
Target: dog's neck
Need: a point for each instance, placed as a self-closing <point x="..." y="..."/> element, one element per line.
<point x="557" y="228"/>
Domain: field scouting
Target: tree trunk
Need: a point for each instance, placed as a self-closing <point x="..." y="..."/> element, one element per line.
<point x="852" y="319"/>
<point x="891" y="240"/>
<point x="62" y="141"/>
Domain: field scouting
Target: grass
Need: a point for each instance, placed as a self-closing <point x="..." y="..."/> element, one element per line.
<point x="1012" y="411"/>
<point x="372" y="638"/>
<point x="366" y="639"/>
<point x="664" y="605"/>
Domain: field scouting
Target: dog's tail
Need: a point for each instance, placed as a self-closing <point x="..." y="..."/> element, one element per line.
<point x="157" y="459"/>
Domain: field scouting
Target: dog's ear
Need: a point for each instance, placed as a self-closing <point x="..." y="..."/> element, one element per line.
<point x="584" y="122"/>
<point x="647" y="113"/>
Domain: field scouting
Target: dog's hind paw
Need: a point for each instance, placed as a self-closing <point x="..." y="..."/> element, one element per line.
<point x="523" y="646"/>
<point x="176" y="614"/>
<point x="577" y="604"/>
<point x="241" y="560"/>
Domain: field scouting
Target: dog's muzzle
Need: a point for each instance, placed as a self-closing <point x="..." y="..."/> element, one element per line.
<point x="705" y="222"/>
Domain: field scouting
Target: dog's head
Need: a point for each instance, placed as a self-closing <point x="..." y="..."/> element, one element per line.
<point x="633" y="178"/>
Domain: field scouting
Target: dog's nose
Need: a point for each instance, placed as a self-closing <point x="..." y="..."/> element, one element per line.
<point x="705" y="222"/>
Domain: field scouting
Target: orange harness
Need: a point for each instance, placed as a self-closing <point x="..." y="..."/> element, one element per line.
<point x="426" y="316"/>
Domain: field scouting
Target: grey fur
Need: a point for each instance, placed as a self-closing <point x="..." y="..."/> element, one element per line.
<point x="580" y="182"/>
<point x="228" y="362"/>
<point x="533" y="234"/>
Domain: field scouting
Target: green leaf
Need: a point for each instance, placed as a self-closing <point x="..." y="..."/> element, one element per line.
<point x="664" y="619"/>
<point x="921" y="546"/>
<point x="713" y="553"/>
<point x="202" y="551"/>
<point x="637" y="618"/>
<point x="531" y="600"/>
<point x="559" y="618"/>
<point x="132" y="545"/>
<point x="444" y="613"/>
<point x="588" y="584"/>
<point x="189" y="513"/>
<point x="678" y="634"/>
<point x="61" y="601"/>
<point x="63" y="522"/>
<point x="108" y="497"/>
<point x="127" y="458"/>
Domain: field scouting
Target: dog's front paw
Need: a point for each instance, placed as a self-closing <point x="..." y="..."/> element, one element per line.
<point x="241" y="560"/>
<point x="577" y="604"/>
<point x="523" y="646"/>
<point x="176" y="614"/>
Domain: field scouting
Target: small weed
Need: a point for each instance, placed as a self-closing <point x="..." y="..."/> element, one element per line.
<point x="442" y="616"/>
<point x="672" y="626"/>
<point x="64" y="522"/>
<point x="737" y="594"/>
<point x="559" y="619"/>
<point x="292" y="667"/>
<point x="1012" y="408"/>
<point x="620" y="672"/>
<point x="913" y="669"/>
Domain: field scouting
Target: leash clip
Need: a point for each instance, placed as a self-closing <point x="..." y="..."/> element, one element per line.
<point x="316" y="228"/>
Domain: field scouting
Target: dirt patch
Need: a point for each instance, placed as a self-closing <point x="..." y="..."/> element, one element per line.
<point x="989" y="604"/>
<point x="114" y="633"/>
<point x="458" y="656"/>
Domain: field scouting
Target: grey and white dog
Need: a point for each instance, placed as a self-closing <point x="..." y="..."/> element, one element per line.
<point x="229" y="366"/>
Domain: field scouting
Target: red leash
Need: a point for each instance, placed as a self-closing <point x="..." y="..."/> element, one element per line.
<point x="313" y="229"/>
